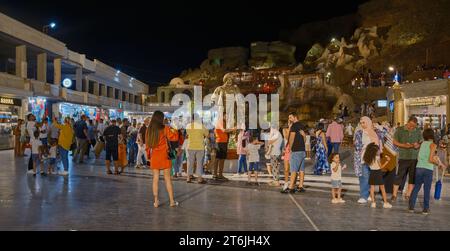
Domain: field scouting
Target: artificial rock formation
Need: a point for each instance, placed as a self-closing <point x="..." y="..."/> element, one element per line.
<point x="271" y="54"/>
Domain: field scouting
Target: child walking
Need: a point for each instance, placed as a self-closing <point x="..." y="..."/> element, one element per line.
<point x="241" y="143"/>
<point x="426" y="161"/>
<point x="308" y="145"/>
<point x="52" y="156"/>
<point x="372" y="159"/>
<point x="36" y="151"/>
<point x="141" y="153"/>
<point x="336" y="178"/>
<point x="252" y="150"/>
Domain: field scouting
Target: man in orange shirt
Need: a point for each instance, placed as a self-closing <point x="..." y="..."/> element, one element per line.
<point x="222" y="144"/>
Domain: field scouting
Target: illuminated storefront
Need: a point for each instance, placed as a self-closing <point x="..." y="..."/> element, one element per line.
<point x="427" y="100"/>
<point x="430" y="111"/>
<point x="76" y="110"/>
<point x="10" y="109"/>
<point x="115" y="114"/>
<point x="138" y="116"/>
<point x="38" y="107"/>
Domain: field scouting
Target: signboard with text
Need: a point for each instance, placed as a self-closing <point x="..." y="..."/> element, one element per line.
<point x="10" y="101"/>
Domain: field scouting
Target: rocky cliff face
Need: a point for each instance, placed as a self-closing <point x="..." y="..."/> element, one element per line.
<point x="382" y="33"/>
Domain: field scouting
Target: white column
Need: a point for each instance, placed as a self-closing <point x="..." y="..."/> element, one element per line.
<point x="131" y="98"/>
<point x="79" y="79"/>
<point x="42" y="67"/>
<point x="57" y="71"/>
<point x="96" y="88"/>
<point x="21" y="61"/>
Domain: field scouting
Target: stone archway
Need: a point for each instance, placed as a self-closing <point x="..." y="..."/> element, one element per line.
<point x="171" y="94"/>
<point x="162" y="95"/>
<point x="188" y="92"/>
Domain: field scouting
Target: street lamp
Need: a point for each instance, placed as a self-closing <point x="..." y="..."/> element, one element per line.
<point x="51" y="25"/>
<point x="391" y="68"/>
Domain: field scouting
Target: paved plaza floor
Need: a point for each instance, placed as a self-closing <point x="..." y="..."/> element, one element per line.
<point x="88" y="199"/>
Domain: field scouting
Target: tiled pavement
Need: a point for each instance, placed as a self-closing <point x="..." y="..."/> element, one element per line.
<point x="90" y="200"/>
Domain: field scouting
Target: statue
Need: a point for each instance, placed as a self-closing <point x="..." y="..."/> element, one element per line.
<point x="224" y="103"/>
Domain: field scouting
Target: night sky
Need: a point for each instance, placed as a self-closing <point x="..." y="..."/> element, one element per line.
<point x="154" y="42"/>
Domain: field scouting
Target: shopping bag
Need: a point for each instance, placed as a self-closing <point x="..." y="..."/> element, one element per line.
<point x="437" y="190"/>
<point x="98" y="148"/>
<point x="438" y="185"/>
<point x="123" y="162"/>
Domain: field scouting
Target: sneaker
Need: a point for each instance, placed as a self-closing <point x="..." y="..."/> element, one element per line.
<point x="287" y="190"/>
<point x="362" y="201"/>
<point x="334" y="201"/>
<point x="341" y="200"/>
<point x="410" y="209"/>
<point x="373" y="205"/>
<point x="369" y="199"/>
<point x="300" y="190"/>
<point x="64" y="173"/>
<point x="30" y="171"/>
<point x="426" y="211"/>
<point x="387" y="205"/>
<point x="274" y="183"/>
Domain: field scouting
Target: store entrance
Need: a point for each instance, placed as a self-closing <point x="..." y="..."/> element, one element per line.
<point x="9" y="116"/>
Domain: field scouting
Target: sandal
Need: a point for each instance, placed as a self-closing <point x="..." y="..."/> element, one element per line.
<point x="175" y="204"/>
<point x="202" y="182"/>
<point x="109" y="172"/>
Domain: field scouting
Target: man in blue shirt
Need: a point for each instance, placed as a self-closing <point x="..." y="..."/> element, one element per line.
<point x="82" y="139"/>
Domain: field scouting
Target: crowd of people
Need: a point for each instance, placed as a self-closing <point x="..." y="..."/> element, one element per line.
<point x="162" y="147"/>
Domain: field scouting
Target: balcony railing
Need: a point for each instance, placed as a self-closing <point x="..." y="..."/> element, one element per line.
<point x="12" y="81"/>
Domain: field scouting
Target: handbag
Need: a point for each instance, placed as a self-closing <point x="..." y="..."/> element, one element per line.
<point x="390" y="166"/>
<point x="171" y="153"/>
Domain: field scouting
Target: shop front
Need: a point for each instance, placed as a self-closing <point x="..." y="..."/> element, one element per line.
<point x="138" y="116"/>
<point x="428" y="101"/>
<point x="430" y="111"/>
<point x="76" y="110"/>
<point x="115" y="114"/>
<point x="10" y="112"/>
<point x="39" y="107"/>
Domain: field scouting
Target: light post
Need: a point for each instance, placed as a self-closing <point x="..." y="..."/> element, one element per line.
<point x="45" y="28"/>
<point x="396" y="77"/>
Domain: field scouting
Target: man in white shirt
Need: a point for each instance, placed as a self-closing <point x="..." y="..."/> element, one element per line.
<point x="30" y="128"/>
<point x="349" y="130"/>
<point x="100" y="129"/>
<point x="275" y="141"/>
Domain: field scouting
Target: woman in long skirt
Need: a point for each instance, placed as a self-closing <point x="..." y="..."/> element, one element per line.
<point x="321" y="166"/>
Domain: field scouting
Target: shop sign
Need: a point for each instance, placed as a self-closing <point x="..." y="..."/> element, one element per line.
<point x="10" y="101"/>
<point x="436" y="101"/>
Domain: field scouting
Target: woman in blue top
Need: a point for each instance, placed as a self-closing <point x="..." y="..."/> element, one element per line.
<point x="426" y="161"/>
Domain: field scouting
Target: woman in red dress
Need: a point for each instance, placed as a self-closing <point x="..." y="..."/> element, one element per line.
<point x="156" y="141"/>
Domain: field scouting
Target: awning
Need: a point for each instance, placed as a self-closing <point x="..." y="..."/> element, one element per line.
<point x="425" y="88"/>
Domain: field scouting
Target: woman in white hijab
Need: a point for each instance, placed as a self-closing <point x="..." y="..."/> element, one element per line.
<point x="364" y="135"/>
